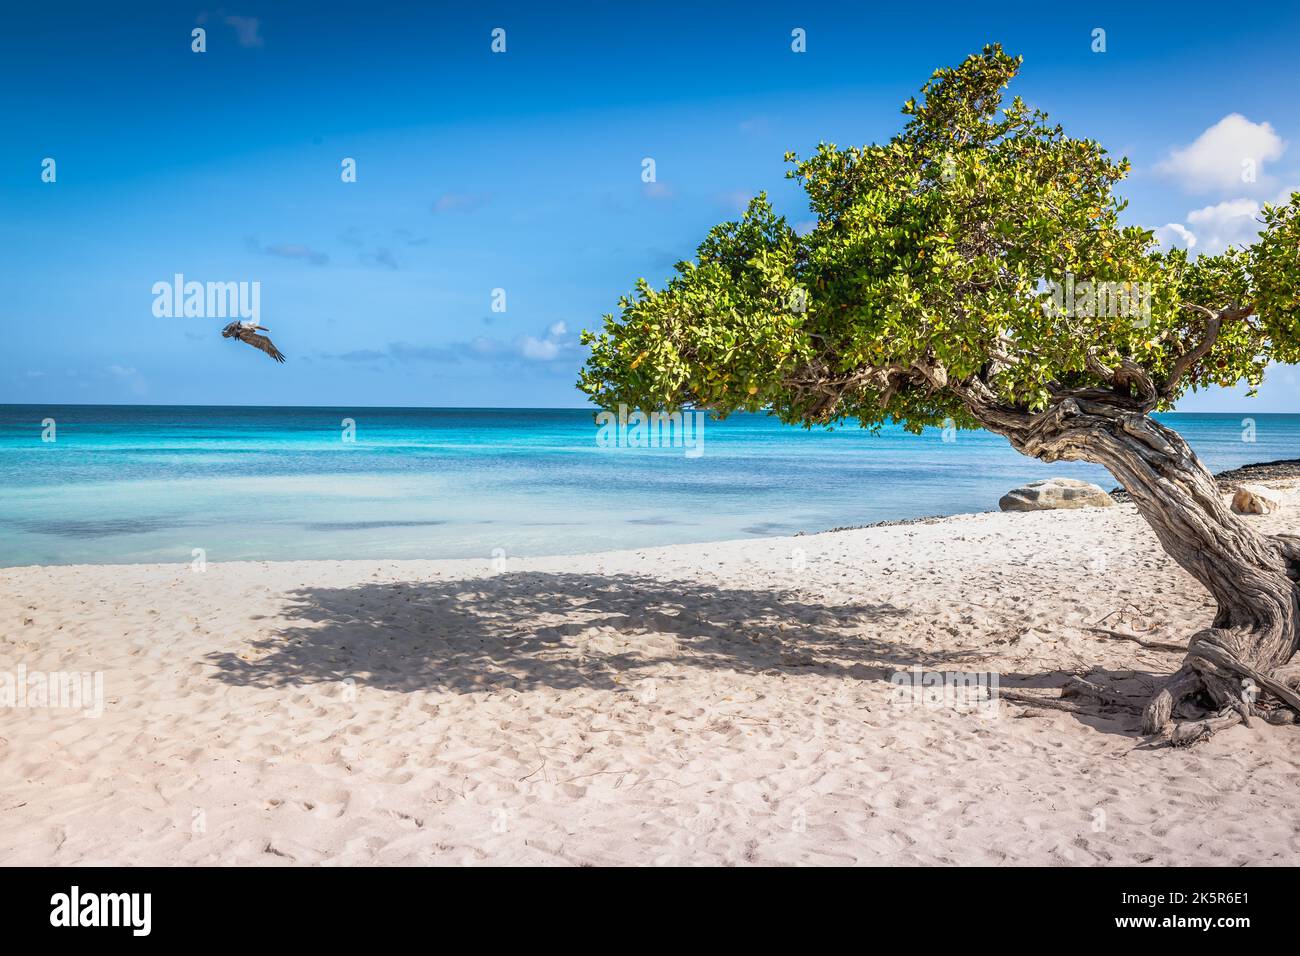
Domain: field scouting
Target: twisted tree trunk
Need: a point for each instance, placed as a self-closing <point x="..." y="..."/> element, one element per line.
<point x="1230" y="665"/>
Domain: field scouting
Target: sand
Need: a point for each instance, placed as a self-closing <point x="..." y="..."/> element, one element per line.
<point x="707" y="704"/>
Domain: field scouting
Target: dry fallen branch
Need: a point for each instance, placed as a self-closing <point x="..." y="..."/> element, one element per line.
<point x="1151" y="645"/>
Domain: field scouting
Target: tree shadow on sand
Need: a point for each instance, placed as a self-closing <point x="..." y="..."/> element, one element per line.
<point x="523" y="631"/>
<point x="558" y="630"/>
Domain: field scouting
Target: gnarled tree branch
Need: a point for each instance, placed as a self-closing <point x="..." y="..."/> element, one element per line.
<point x="1214" y="322"/>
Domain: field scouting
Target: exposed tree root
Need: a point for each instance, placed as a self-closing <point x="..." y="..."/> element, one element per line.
<point x="1159" y="713"/>
<point x="1079" y="687"/>
<point x="1072" y="694"/>
<point x="1188" y="732"/>
<point x="1232" y="688"/>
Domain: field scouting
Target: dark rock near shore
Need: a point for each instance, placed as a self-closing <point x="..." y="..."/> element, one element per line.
<point x="892" y="522"/>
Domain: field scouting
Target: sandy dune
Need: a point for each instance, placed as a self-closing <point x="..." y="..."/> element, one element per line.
<point x="724" y="703"/>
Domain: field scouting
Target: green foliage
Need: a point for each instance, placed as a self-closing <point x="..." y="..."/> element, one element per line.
<point x="928" y="268"/>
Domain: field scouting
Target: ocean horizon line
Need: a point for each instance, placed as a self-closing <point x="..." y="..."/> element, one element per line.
<point x="594" y="409"/>
<point x="417" y="408"/>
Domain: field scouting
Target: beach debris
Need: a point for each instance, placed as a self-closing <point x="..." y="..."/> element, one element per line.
<point x="797" y="658"/>
<point x="1254" y="500"/>
<point x="1052" y="493"/>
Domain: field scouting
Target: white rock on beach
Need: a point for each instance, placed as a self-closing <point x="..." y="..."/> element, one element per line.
<point x="1052" y="493"/>
<point x="1254" y="500"/>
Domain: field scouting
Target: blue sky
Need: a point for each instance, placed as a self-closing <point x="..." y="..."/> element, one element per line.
<point x="520" y="171"/>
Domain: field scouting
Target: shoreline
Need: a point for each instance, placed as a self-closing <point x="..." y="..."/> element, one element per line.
<point x="1265" y="471"/>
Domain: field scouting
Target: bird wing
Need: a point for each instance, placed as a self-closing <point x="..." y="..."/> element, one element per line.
<point x="261" y="342"/>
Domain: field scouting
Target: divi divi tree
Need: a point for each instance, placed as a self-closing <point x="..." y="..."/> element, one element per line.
<point x="973" y="271"/>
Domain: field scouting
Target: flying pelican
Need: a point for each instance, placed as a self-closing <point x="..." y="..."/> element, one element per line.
<point x="247" y="332"/>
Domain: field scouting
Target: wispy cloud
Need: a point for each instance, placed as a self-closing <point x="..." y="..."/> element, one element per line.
<point x="734" y="202"/>
<point x="360" y="355"/>
<point x="382" y="256"/>
<point x="247" y="30"/>
<point x="410" y="238"/>
<point x="460" y="202"/>
<point x="658" y="191"/>
<point x="291" y="250"/>
<point x="405" y="352"/>
<point x="552" y="345"/>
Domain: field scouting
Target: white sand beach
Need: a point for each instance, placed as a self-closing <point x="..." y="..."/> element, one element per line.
<point x="704" y="704"/>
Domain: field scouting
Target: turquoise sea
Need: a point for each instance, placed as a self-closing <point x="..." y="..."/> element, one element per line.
<point x="125" y="484"/>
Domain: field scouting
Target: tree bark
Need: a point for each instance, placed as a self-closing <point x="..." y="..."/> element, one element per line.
<point x="1230" y="665"/>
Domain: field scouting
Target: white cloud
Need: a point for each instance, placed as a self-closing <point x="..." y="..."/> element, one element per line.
<point x="1211" y="229"/>
<point x="545" y="350"/>
<point x="1230" y="155"/>
<point x="1225" y="224"/>
<point x="539" y="350"/>
<point x="1173" y="234"/>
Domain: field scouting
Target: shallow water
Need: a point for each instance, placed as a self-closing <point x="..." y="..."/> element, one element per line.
<point x="154" y="483"/>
